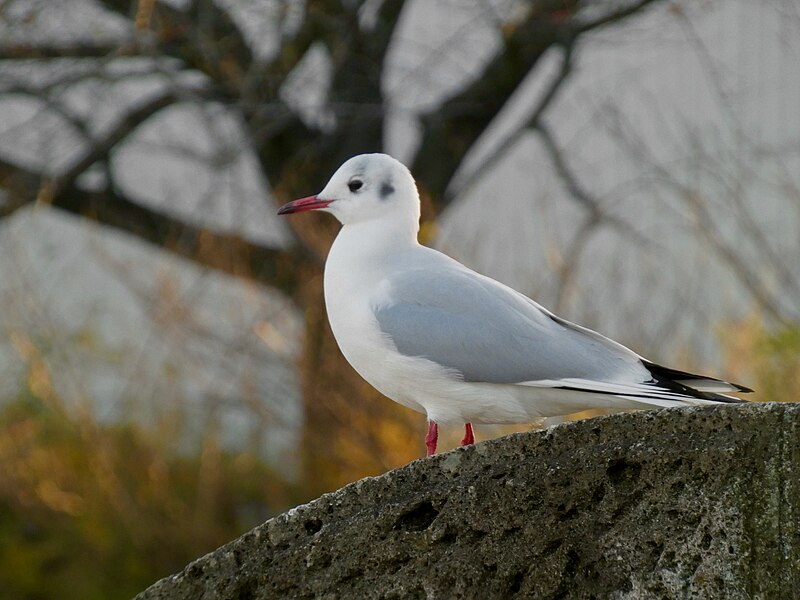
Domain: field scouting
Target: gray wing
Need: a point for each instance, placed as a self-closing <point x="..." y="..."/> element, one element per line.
<point x="491" y="333"/>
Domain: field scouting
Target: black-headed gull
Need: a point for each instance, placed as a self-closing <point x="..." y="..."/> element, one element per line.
<point x="441" y="339"/>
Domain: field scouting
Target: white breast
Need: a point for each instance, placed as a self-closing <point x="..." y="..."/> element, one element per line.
<point x="355" y="283"/>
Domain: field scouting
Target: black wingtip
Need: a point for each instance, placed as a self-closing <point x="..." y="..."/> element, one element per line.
<point x="675" y="379"/>
<point x="741" y="388"/>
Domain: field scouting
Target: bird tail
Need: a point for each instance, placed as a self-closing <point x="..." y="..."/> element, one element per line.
<point x="697" y="386"/>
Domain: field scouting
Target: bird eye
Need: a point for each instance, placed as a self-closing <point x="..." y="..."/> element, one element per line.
<point x="355" y="185"/>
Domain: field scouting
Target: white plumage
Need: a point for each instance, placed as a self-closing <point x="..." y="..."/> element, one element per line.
<point x="439" y="338"/>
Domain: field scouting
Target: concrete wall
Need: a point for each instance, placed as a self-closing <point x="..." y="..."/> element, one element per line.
<point x="679" y="503"/>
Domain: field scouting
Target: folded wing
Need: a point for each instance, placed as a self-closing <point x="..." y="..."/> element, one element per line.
<point x="487" y="332"/>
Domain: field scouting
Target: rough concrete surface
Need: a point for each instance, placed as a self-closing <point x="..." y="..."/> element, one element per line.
<point x="678" y="503"/>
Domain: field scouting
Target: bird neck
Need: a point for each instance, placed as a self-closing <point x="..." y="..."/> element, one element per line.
<point x="379" y="233"/>
<point x="369" y="241"/>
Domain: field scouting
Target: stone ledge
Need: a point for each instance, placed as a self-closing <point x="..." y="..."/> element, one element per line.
<point x="676" y="503"/>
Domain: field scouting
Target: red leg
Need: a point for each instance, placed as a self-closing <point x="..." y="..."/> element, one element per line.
<point x="432" y="438"/>
<point x="469" y="437"/>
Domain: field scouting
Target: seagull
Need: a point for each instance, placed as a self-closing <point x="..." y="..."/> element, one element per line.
<point x="441" y="339"/>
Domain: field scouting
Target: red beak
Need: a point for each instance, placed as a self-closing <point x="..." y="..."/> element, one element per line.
<point x="302" y="205"/>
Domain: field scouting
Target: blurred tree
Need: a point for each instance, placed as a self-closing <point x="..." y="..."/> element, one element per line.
<point x="95" y="511"/>
<point x="349" y="431"/>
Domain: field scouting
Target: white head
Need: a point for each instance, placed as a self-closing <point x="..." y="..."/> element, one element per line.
<point x="367" y="187"/>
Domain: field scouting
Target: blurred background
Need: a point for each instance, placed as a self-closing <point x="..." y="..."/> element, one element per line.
<point x="168" y="379"/>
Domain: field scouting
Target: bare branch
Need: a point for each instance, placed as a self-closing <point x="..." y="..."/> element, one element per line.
<point x="19" y="186"/>
<point x="451" y="129"/>
<point x="547" y="98"/>
<point x="708" y="231"/>
<point x="613" y="16"/>
<point x="41" y="95"/>
<point x="101" y="148"/>
<point x="569" y="265"/>
<point x="703" y="221"/>
<point x="76" y="50"/>
<point x="355" y="94"/>
<point x="576" y="190"/>
<point x="225" y="252"/>
<point x="581" y="195"/>
<point x="203" y="36"/>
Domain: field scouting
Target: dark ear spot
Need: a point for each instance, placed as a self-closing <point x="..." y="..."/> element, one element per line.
<point x="387" y="189"/>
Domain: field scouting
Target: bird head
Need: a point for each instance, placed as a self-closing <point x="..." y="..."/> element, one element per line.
<point x="366" y="187"/>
